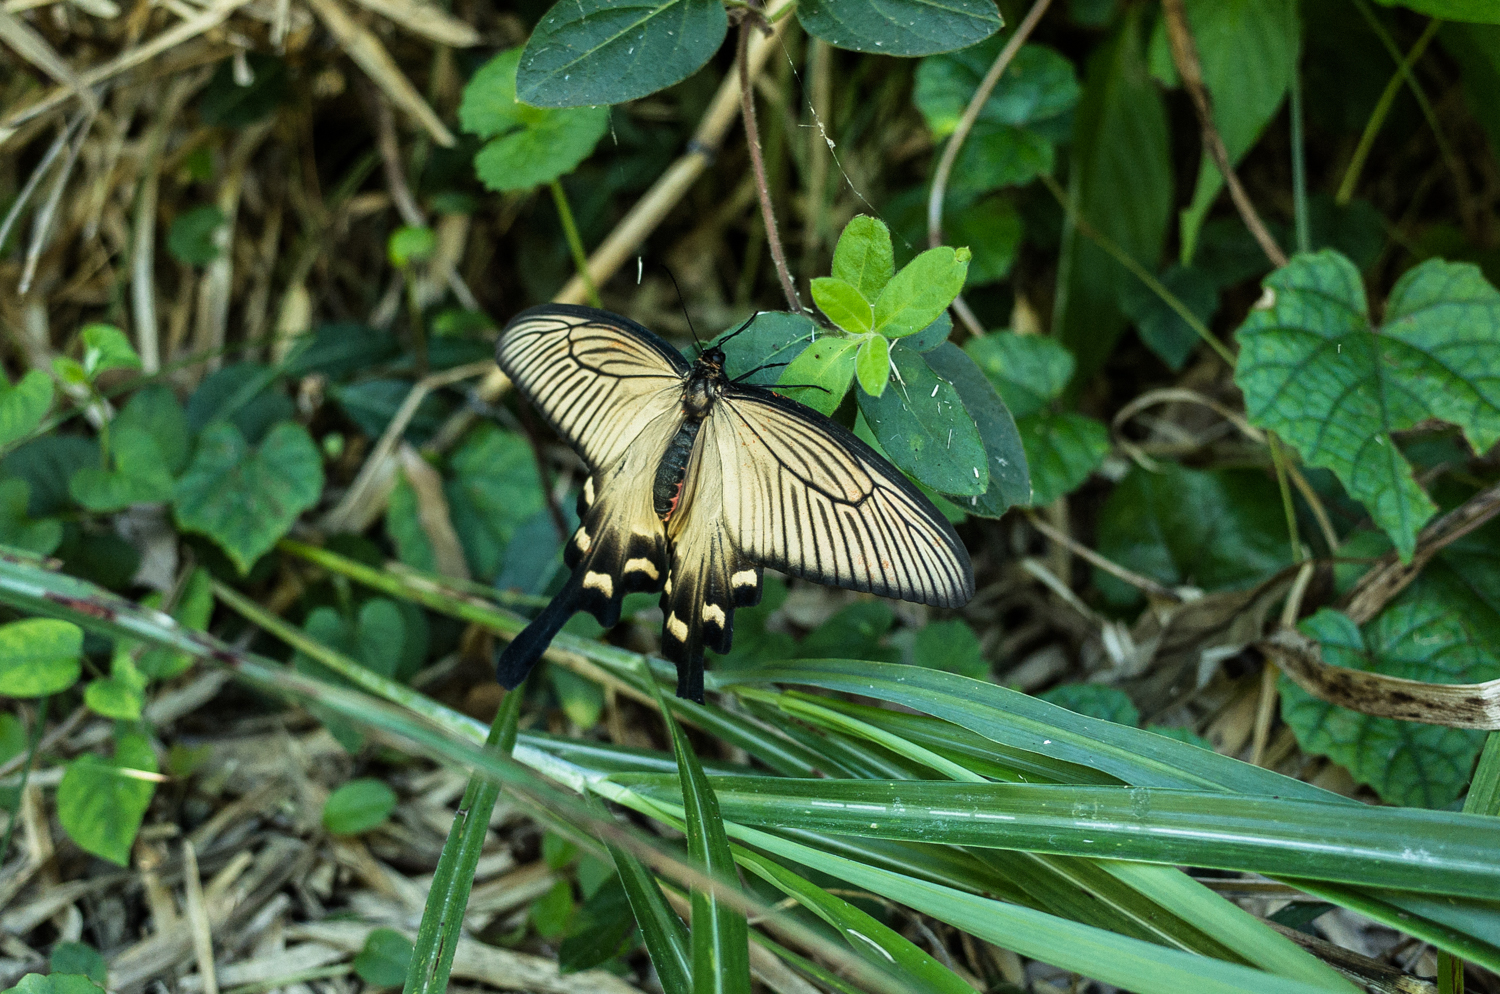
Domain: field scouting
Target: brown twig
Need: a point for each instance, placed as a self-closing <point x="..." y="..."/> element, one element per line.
<point x="758" y="165"/>
<point x="961" y="133"/>
<point x="1142" y="583"/>
<point x="1185" y="57"/>
<point x="1390" y="576"/>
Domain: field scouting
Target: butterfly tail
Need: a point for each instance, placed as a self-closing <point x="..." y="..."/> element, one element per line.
<point x="521" y="655"/>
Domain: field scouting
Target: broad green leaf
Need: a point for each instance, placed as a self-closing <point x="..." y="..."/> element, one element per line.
<point x="925" y="431"/>
<point x="1061" y="451"/>
<point x="1478" y="11"/>
<point x="873" y="364"/>
<point x="608" y="51"/>
<point x="403" y="523"/>
<point x="1121" y="182"/>
<point x="602" y="929"/>
<point x="1027" y="371"/>
<point x="358" y="806"/>
<point x="122" y="694"/>
<point x="1443" y="628"/>
<point x="772" y="337"/>
<point x="243" y="498"/>
<point x="526" y="146"/>
<point x="921" y="291"/>
<point x="39" y="656"/>
<point x="140" y="475"/>
<point x="79" y="958"/>
<point x="194" y="237"/>
<point x="899" y="27"/>
<point x="23" y="406"/>
<point x="1010" y="476"/>
<point x="225" y="103"/>
<point x="952" y="646"/>
<point x="843" y="303"/>
<point x="409" y="244"/>
<point x="551" y="913"/>
<point x="243" y="393"/>
<point x="155" y="411"/>
<point x="55" y="983"/>
<point x="1211" y="529"/>
<point x="101" y="802"/>
<point x="857" y="630"/>
<point x="17" y="528"/>
<point x="1025" y="116"/>
<point x="1313" y="369"/>
<point x="864" y="256"/>
<point x="582" y="699"/>
<point x="384" y="960"/>
<point x="194" y="607"/>
<point x="1097" y="700"/>
<point x="820" y="376"/>
<point x="1248" y="50"/>
<point x="991" y="228"/>
<point x="1160" y="327"/>
<point x="930" y="337"/>
<point x="105" y="347"/>
<point x="492" y="492"/>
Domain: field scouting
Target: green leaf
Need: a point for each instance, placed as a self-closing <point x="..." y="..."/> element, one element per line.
<point x="195" y="235"/>
<point x="493" y="491"/>
<point x="243" y="498"/>
<point x="105" y="347"/>
<point x="101" y="803"/>
<point x="1479" y="11"/>
<point x="39" y="656"/>
<point x="864" y="257"/>
<point x="952" y="646"/>
<point x="526" y="146"/>
<point x="156" y="411"/>
<point x="81" y="959"/>
<point x="140" y="475"/>
<point x="17" y="528"/>
<point x="843" y="304"/>
<point x="55" y="983"/>
<point x="858" y="631"/>
<point x="609" y="52"/>
<point x="1313" y="369"/>
<point x="1061" y="451"/>
<point x="120" y="696"/>
<point x="1121" y="182"/>
<point x="921" y="291"/>
<point x="23" y="406"/>
<point x="899" y="27"/>
<point x="244" y="393"/>
<point x="1010" y="476"/>
<point x="1163" y="329"/>
<point x="403" y="523"/>
<point x="666" y="939"/>
<point x="409" y="244"/>
<point x="582" y="699"/>
<point x="771" y="337"/>
<point x="1443" y="628"/>
<point x="227" y="104"/>
<point x="1028" y="371"/>
<point x="601" y="930"/>
<point x="194" y="607"/>
<point x="925" y="431"/>
<point x="358" y="806"/>
<point x="820" y="375"/>
<point x="1210" y="529"/>
<point x="1096" y="700"/>
<point x="551" y="912"/>
<point x="1248" y="50"/>
<point x="385" y="958"/>
<point x="873" y="364"/>
<point x="992" y="230"/>
<point x="1026" y="115"/>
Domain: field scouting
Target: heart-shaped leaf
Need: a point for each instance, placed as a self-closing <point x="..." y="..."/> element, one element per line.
<point x="101" y="802"/>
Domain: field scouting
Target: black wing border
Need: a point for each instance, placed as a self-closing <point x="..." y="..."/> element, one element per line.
<point x="818" y="421"/>
<point x="594" y="315"/>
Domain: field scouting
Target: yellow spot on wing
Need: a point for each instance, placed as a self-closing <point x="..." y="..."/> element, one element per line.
<point x="642" y="566"/>
<point x="601" y="582"/>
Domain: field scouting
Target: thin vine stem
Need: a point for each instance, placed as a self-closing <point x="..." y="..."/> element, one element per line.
<point x="758" y="166"/>
<point x="1378" y="115"/>
<point x="575" y="243"/>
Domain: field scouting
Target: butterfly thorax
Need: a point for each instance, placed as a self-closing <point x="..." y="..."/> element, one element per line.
<point x="700" y="390"/>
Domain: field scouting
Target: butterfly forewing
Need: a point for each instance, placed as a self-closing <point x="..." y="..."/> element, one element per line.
<point x="598" y="379"/>
<point x="804" y="495"/>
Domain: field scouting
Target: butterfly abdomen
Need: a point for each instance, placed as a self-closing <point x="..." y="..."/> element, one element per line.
<point x="667" y="490"/>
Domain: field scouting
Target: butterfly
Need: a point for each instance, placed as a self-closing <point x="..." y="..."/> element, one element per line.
<point x="698" y="482"/>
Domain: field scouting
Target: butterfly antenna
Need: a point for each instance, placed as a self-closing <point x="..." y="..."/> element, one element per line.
<point x="765" y="365"/>
<point x="683" y="304"/>
<point x="748" y="322"/>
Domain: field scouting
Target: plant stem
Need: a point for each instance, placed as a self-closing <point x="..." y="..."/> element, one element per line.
<point x="31" y="746"/>
<point x="1378" y="115"/>
<point x="1278" y="459"/>
<point x="758" y="165"/>
<point x="575" y="244"/>
<point x="1299" y="165"/>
